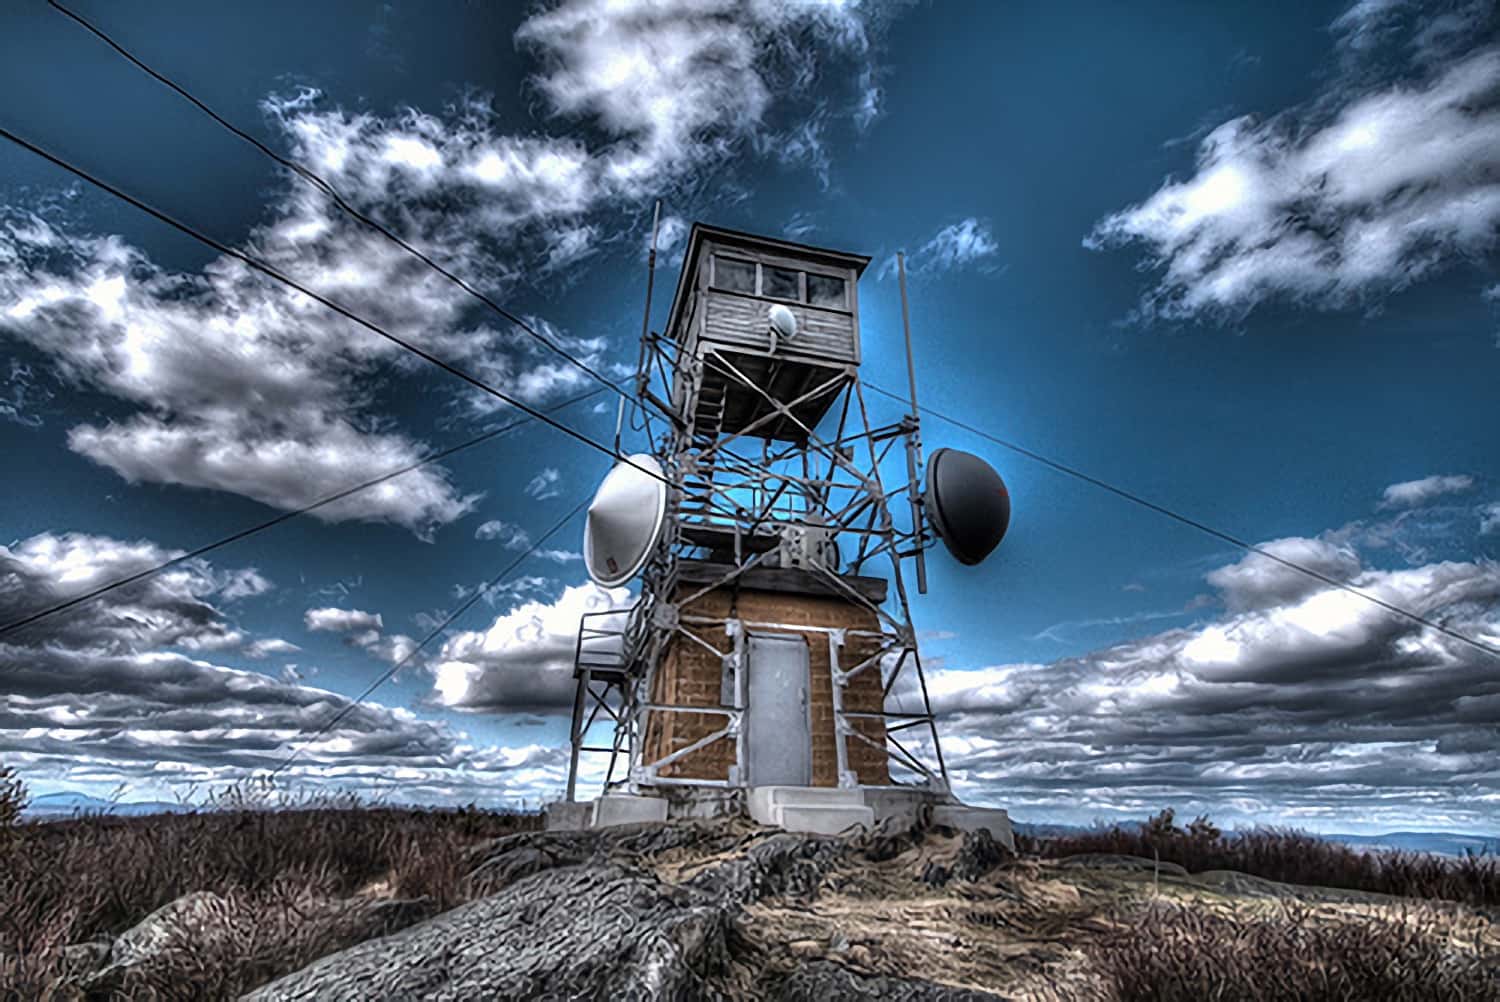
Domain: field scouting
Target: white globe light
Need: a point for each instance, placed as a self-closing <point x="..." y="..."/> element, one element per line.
<point x="783" y="322"/>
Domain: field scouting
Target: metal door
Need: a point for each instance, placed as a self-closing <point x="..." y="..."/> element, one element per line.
<point x="778" y="738"/>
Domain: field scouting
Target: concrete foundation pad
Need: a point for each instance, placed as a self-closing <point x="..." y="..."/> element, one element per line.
<point x="993" y="819"/>
<point x="568" y="816"/>
<point x="627" y="808"/>
<point x="829" y="820"/>
<point x="902" y="806"/>
<point x="765" y="803"/>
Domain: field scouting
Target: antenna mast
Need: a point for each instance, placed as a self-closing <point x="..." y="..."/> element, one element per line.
<point x="913" y="424"/>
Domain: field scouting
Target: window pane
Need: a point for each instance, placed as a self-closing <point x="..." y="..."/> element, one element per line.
<point x="736" y="276"/>
<point x="780" y="283"/>
<point x="824" y="290"/>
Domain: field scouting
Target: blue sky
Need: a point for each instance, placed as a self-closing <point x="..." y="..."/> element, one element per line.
<point x="1239" y="261"/>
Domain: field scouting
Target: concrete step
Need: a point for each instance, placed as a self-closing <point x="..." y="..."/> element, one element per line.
<point x="992" y="819"/>
<point x="765" y="801"/>
<point x="823" y="820"/>
<point x="626" y="809"/>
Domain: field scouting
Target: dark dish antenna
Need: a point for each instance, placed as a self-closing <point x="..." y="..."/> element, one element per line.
<point x="967" y="504"/>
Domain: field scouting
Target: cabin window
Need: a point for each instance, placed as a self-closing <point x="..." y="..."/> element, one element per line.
<point x="826" y="290"/>
<point x="734" y="275"/>
<point x="780" y="283"/>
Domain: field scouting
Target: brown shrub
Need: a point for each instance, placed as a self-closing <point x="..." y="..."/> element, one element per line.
<point x="1289" y="856"/>
<point x="90" y="878"/>
<point x="13" y="799"/>
<point x="1181" y="954"/>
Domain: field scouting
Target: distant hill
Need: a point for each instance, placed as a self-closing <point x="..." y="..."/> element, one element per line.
<point x="52" y="806"/>
<point x="1441" y="843"/>
<point x="1445" y="843"/>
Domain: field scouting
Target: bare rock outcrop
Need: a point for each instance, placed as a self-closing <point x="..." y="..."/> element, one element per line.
<point x="639" y="912"/>
<point x="600" y="931"/>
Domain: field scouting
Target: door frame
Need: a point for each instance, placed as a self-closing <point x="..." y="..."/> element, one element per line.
<point x="764" y="634"/>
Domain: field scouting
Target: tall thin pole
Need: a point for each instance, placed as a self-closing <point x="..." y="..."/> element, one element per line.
<point x="640" y="367"/>
<point x="641" y="375"/>
<point x="913" y="436"/>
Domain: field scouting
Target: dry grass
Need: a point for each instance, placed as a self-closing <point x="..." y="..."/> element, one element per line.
<point x="1178" y="953"/>
<point x="307" y="879"/>
<point x="297" y="882"/>
<point x="1291" y="857"/>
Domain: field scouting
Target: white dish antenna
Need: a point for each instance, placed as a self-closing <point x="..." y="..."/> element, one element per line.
<point x="625" y="520"/>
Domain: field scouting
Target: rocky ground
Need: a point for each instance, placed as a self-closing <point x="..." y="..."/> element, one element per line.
<point x="729" y="910"/>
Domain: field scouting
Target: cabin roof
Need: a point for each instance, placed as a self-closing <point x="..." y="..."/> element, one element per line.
<point x="750" y="242"/>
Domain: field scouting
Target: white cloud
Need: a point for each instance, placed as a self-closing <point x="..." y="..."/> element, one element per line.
<point x="240" y="385"/>
<point x="524" y="659"/>
<point x="671" y="241"/>
<point x="260" y="649"/>
<point x="363" y="630"/>
<point x="543" y="486"/>
<point x="1365" y="191"/>
<point x="332" y="620"/>
<point x="93" y="698"/>
<point x="245" y="582"/>
<point x="799" y="227"/>
<point x="1412" y="493"/>
<point x="169" y="608"/>
<point x="958" y="245"/>
<point x="391" y="649"/>
<point x="681" y="83"/>
<point x="1257" y="581"/>
<point x="509" y="535"/>
<point x="1291" y="700"/>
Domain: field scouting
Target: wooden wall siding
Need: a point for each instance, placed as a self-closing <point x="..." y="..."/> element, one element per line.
<point x="691" y="676"/>
<point x="741" y="321"/>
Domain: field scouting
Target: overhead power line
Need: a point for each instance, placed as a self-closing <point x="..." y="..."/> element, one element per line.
<point x="323" y="185"/>
<point x="453" y="616"/>
<point x="284" y="517"/>
<point x="1200" y="526"/>
<point x="343" y="311"/>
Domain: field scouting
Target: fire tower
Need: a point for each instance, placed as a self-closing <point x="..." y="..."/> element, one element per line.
<point x="770" y="663"/>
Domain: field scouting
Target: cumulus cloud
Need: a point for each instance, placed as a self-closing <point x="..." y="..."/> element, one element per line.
<point x="683" y="83"/>
<point x="1258" y="581"/>
<point x="237" y="384"/>
<point x="524" y="659"/>
<point x="1299" y="704"/>
<point x="333" y="620"/>
<point x="363" y="630"/>
<point x="96" y="697"/>
<point x="170" y="608"/>
<point x="241" y="385"/>
<point x="1412" y="493"/>
<point x="1372" y="187"/>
